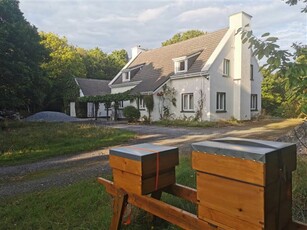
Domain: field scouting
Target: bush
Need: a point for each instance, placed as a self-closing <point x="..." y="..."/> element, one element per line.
<point x="131" y="113"/>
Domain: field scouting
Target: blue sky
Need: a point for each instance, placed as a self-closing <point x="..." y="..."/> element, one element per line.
<point x="119" y="24"/>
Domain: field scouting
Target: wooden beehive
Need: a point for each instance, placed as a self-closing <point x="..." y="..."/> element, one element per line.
<point x="244" y="184"/>
<point x="143" y="168"/>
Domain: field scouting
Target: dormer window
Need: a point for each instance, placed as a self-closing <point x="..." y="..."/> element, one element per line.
<point x="126" y="76"/>
<point x="181" y="65"/>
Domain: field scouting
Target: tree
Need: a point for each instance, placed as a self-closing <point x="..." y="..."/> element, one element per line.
<point x="294" y="2"/>
<point x="273" y="94"/>
<point x="115" y="62"/>
<point x="63" y="65"/>
<point x="291" y="66"/>
<point x="95" y="62"/>
<point x="22" y="82"/>
<point x="183" y="36"/>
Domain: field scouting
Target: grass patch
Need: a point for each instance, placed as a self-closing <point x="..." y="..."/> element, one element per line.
<point x="86" y="205"/>
<point x="300" y="190"/>
<point x="193" y="123"/>
<point x="80" y="206"/>
<point x="23" y="142"/>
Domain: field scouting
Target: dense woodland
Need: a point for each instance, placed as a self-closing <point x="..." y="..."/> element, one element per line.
<point x="37" y="69"/>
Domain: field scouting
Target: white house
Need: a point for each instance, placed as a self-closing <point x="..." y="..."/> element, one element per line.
<point x="213" y="76"/>
<point x="91" y="87"/>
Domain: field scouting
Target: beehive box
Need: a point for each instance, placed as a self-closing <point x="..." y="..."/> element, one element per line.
<point x="143" y="168"/>
<point x="244" y="184"/>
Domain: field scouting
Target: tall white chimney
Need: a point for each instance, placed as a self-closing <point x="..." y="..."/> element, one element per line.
<point x="242" y="62"/>
<point x="136" y="50"/>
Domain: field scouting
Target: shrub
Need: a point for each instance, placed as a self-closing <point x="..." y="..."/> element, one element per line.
<point x="131" y="113"/>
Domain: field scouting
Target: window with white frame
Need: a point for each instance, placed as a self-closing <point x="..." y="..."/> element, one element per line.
<point x="252" y="72"/>
<point x="220" y="101"/>
<point x="121" y="104"/>
<point x="187" y="102"/>
<point x="126" y="76"/>
<point x="226" y="67"/>
<point x="141" y="103"/>
<point x="181" y="65"/>
<point x="254" y="102"/>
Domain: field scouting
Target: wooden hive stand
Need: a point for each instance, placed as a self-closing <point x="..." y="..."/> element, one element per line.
<point x="141" y="162"/>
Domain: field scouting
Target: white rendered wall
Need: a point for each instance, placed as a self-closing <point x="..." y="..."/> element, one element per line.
<point x="72" y="109"/>
<point x="220" y="83"/>
<point x="190" y="85"/>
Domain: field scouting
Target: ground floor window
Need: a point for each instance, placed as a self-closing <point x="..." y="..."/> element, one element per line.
<point x="221" y="101"/>
<point x="121" y="104"/>
<point x="187" y="102"/>
<point x="141" y="103"/>
<point x="254" y="102"/>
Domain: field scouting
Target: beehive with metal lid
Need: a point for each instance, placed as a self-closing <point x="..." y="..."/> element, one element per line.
<point x="244" y="183"/>
<point x="143" y="168"/>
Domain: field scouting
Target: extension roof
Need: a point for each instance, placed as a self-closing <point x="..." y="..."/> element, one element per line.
<point x="158" y="65"/>
<point x="93" y="87"/>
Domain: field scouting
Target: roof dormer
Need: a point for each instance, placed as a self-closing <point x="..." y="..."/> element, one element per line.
<point x="128" y="74"/>
<point x="182" y="64"/>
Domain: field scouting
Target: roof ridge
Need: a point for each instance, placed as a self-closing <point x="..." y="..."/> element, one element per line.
<point x="92" y="79"/>
<point x="188" y="40"/>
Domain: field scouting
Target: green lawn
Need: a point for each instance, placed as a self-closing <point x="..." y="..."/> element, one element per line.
<point x="86" y="205"/>
<point x="22" y="142"/>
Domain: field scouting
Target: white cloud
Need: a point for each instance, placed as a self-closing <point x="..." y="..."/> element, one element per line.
<point x="151" y="14"/>
<point x="120" y="24"/>
<point x="201" y="14"/>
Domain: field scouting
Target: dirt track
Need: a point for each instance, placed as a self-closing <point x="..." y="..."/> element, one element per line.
<point x="61" y="171"/>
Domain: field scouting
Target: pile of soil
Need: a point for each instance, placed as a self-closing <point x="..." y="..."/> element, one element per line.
<point x="50" y="116"/>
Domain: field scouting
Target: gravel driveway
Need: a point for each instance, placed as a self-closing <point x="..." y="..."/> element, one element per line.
<point x="61" y="171"/>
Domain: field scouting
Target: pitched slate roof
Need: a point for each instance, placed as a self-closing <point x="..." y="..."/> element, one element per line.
<point x="93" y="87"/>
<point x="159" y="65"/>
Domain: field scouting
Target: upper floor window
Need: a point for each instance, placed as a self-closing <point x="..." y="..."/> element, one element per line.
<point x="187" y="102"/>
<point x="252" y="72"/>
<point x="220" y="102"/>
<point x="183" y="63"/>
<point x="181" y="66"/>
<point x="226" y="67"/>
<point x="126" y="76"/>
<point x="254" y="102"/>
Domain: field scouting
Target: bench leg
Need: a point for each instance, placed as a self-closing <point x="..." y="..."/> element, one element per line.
<point x="118" y="209"/>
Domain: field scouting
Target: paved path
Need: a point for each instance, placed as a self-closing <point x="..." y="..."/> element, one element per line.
<point x="183" y="137"/>
<point x="65" y="170"/>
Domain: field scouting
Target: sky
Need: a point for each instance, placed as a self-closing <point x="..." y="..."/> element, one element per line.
<point x="123" y="24"/>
